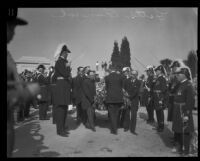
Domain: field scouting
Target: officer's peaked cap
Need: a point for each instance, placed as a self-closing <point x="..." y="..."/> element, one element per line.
<point x="184" y="70"/>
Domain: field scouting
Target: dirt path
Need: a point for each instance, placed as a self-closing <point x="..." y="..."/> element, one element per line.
<point x="36" y="138"/>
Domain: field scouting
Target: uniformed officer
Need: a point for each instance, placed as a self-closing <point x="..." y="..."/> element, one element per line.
<point x="43" y="101"/>
<point x="114" y="96"/>
<point x="159" y="91"/>
<point x="16" y="90"/>
<point x="88" y="96"/>
<point x="149" y="93"/>
<point x="62" y="90"/>
<point x="182" y="123"/>
<point x="173" y="86"/>
<point x="132" y="86"/>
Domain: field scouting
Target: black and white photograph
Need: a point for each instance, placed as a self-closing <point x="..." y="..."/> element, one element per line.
<point x="102" y="82"/>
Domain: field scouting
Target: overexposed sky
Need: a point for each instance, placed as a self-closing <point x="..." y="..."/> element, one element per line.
<point x="153" y="33"/>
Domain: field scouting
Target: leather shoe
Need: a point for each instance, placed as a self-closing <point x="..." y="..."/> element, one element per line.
<point x="114" y="132"/>
<point x="134" y="133"/>
<point x="125" y="130"/>
<point x="63" y="134"/>
<point x="93" y="129"/>
<point x="66" y="131"/>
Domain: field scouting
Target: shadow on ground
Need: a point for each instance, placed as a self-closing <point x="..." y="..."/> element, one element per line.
<point x="29" y="142"/>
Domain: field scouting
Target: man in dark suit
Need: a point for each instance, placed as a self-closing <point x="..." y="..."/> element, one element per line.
<point x="43" y="82"/>
<point x="122" y="111"/>
<point x="132" y="86"/>
<point x="62" y="90"/>
<point x="77" y="93"/>
<point x="88" y="96"/>
<point x="114" y="96"/>
<point x="52" y="82"/>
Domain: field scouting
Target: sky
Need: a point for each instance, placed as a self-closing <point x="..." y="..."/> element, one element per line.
<point x="153" y="34"/>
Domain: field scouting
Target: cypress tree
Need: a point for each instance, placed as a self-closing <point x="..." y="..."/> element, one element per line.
<point x="115" y="57"/>
<point x="125" y="53"/>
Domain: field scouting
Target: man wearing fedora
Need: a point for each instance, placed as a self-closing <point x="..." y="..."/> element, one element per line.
<point x="62" y="90"/>
<point x="16" y="90"/>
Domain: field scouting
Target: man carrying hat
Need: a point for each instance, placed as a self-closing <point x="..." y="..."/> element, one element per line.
<point x="159" y="91"/>
<point x="16" y="90"/>
<point x="62" y="90"/>
<point x="182" y="122"/>
<point x="132" y="86"/>
<point x="43" y="82"/>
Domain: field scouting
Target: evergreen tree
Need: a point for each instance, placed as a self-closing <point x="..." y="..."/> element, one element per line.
<point x="115" y="57"/>
<point x="125" y="53"/>
<point x="192" y="62"/>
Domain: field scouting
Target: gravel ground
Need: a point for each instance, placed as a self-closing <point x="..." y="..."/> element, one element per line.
<point x="35" y="138"/>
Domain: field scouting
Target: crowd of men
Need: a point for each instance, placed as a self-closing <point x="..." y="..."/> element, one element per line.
<point x="122" y="99"/>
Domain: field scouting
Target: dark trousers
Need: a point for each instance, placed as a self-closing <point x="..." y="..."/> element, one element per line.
<point x="130" y="118"/>
<point x="126" y="118"/>
<point x="183" y="141"/>
<point x="121" y="117"/>
<point x="53" y="114"/>
<point x="160" y="118"/>
<point x="113" y="110"/>
<point x="84" y="116"/>
<point x="170" y="108"/>
<point x="79" y="111"/>
<point x="90" y="117"/>
<point x="61" y="115"/>
<point x="150" y="111"/>
<point x="27" y="109"/>
<point x="43" y="110"/>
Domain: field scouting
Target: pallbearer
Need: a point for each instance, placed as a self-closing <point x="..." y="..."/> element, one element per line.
<point x="114" y="97"/>
<point x="43" y="82"/>
<point x="159" y="91"/>
<point x="62" y="90"/>
<point x="183" y="124"/>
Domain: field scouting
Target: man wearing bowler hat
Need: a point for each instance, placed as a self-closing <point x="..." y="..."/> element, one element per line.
<point x="16" y="90"/>
<point x="62" y="90"/>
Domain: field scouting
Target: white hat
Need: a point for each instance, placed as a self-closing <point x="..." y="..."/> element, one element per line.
<point x="126" y="69"/>
<point x="58" y="50"/>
